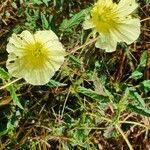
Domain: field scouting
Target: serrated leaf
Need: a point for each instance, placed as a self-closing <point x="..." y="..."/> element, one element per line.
<point x="36" y="2"/>
<point x="134" y="94"/>
<point x="139" y="110"/>
<point x="3" y="74"/>
<point x="13" y="94"/>
<point x="97" y="84"/>
<point x="45" y="2"/>
<point x="9" y="128"/>
<point x="67" y="25"/>
<point x="138" y="73"/>
<point x="3" y="132"/>
<point x="53" y="83"/>
<point x="143" y="59"/>
<point x="109" y="94"/>
<point x="146" y="84"/>
<point x="75" y="60"/>
<point x="45" y="23"/>
<point x="13" y="4"/>
<point x="92" y="94"/>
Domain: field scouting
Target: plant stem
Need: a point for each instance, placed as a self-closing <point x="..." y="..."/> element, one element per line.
<point x="8" y="84"/>
<point x="124" y="136"/>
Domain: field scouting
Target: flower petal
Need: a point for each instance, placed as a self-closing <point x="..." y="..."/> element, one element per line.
<point x="128" y="31"/>
<point x="18" y="42"/>
<point x="106" y="3"/>
<point x="55" y="48"/>
<point x="126" y="7"/>
<point x="45" y="36"/>
<point x="88" y="24"/>
<point x="39" y="76"/>
<point x="55" y="62"/>
<point x="107" y="42"/>
<point x="35" y="76"/>
<point x="27" y="37"/>
<point x="16" y="67"/>
<point x="24" y="38"/>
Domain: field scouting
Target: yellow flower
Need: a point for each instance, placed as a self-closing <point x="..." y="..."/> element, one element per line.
<point x="114" y="23"/>
<point x="36" y="57"/>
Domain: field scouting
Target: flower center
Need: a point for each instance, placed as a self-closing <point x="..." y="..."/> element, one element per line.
<point x="37" y="50"/>
<point x="36" y="55"/>
<point x="104" y="17"/>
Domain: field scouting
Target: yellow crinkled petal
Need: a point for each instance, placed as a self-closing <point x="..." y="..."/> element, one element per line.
<point x="18" y="42"/>
<point x="14" y="49"/>
<point x="39" y="76"/>
<point x="42" y="76"/>
<point x="88" y="24"/>
<point x="128" y="31"/>
<point x="19" y="39"/>
<point x="34" y="76"/>
<point x="126" y="7"/>
<point x="55" y="48"/>
<point x="107" y="42"/>
<point x="104" y="2"/>
<point x="16" y="67"/>
<point x="27" y="37"/>
<point x="45" y="36"/>
<point x="56" y="62"/>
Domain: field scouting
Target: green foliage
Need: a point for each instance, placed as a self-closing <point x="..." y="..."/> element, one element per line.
<point x="45" y="2"/>
<point x="92" y="94"/>
<point x="3" y="74"/>
<point x="133" y="94"/>
<point x="38" y="2"/>
<point x="67" y="25"/>
<point x="13" y="94"/>
<point x="140" y="110"/>
<point x="147" y="1"/>
<point x="45" y="23"/>
<point x="146" y="85"/>
<point x="75" y="60"/>
<point x="9" y="128"/>
<point x="138" y="73"/>
<point x="84" y="101"/>
<point x="32" y="18"/>
<point x="53" y="83"/>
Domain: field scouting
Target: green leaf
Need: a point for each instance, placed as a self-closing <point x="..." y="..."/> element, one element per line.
<point x="13" y="94"/>
<point x="92" y="94"/>
<point x="3" y="74"/>
<point x="139" y="110"/>
<point x="53" y="83"/>
<point x="147" y="2"/>
<point x="143" y="59"/>
<point x="146" y="84"/>
<point x="134" y="94"/>
<point x="75" y="60"/>
<point x="45" y="23"/>
<point x="109" y="94"/>
<point x="38" y="2"/>
<point x="45" y="2"/>
<point x="138" y="73"/>
<point x="9" y="128"/>
<point x="67" y="25"/>
<point x="13" y="4"/>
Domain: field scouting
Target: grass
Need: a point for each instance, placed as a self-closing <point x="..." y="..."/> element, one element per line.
<point x="96" y="100"/>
